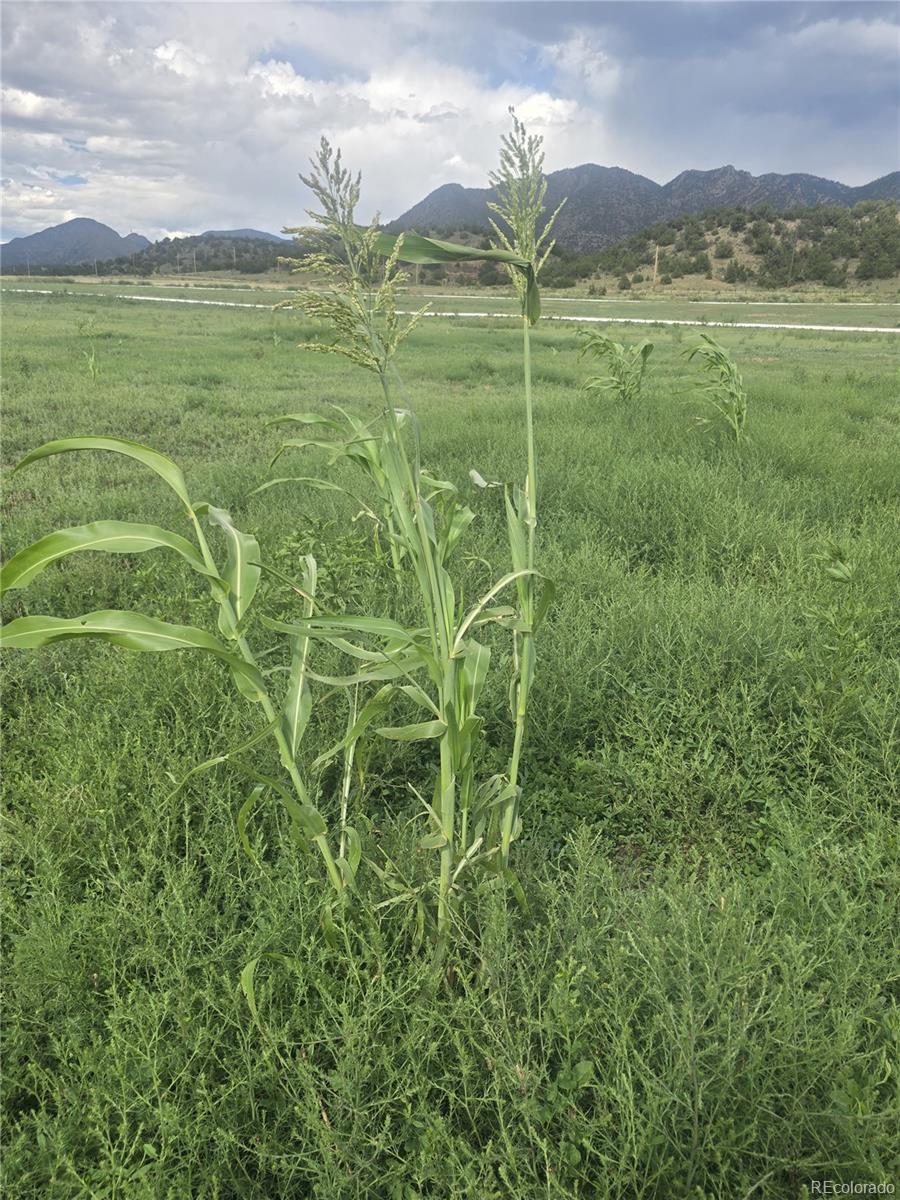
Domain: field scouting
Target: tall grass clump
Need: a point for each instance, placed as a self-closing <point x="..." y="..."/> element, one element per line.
<point x="440" y="666"/>
<point x="724" y="394"/>
<point x="434" y="669"/>
<point x="625" y="365"/>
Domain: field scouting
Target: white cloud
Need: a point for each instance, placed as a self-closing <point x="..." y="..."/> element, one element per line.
<point x="583" y="63"/>
<point x="191" y="116"/>
<point x="176" y="57"/>
<point x="867" y="39"/>
<point x="32" y="107"/>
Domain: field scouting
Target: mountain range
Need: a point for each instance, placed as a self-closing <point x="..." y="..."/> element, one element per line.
<point x="85" y="241"/>
<point x="606" y="204"/>
<point x="250" y="235"/>
<point x="78" y="241"/>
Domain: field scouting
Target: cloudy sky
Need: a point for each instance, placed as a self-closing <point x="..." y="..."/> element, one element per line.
<point x="178" y="117"/>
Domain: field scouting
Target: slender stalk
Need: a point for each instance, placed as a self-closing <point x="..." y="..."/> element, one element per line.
<point x="526" y="639"/>
<point x="268" y="708"/>
<point x="448" y="817"/>
<point x="529" y="426"/>
<point x="348" y="768"/>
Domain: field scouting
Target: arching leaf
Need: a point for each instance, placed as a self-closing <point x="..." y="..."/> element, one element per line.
<point x="111" y="537"/>
<point x="132" y="631"/>
<point x="164" y="467"/>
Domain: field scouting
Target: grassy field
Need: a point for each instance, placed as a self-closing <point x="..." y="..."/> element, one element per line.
<point x="822" y="309"/>
<point x="700" y="1001"/>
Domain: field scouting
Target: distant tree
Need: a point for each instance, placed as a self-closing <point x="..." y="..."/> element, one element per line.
<point x="875" y="263"/>
<point x="489" y="275"/>
<point x="624" y="284"/>
<point x="724" y="248"/>
<point x="737" y="272"/>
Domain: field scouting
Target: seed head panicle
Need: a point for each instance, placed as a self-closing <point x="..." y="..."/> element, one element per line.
<point x="521" y="189"/>
<point x="361" y="303"/>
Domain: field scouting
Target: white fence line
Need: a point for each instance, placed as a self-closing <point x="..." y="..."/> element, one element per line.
<point x="482" y="315"/>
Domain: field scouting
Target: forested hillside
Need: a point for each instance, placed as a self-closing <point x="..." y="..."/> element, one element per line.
<point x="828" y="244"/>
<point x="223" y="251"/>
<point x="606" y="204"/>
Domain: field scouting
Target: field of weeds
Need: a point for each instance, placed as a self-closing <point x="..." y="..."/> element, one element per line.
<point x="696" y="996"/>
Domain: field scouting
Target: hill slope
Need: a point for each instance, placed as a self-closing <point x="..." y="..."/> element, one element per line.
<point x="826" y="244"/>
<point x="249" y="235"/>
<point x="246" y="251"/>
<point x="78" y="241"/>
<point x="606" y="204"/>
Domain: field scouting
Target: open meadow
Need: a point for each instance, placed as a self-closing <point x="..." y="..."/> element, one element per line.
<point x="698" y="999"/>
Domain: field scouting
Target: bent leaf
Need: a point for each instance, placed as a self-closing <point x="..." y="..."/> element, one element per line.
<point x="306" y="418"/>
<point x="242" y="570"/>
<point x="164" y="467"/>
<point x="132" y="631"/>
<point x="370" y="711"/>
<point x="414" y="733"/>
<point x="243" y="814"/>
<point x="417" y="249"/>
<point x="112" y="537"/>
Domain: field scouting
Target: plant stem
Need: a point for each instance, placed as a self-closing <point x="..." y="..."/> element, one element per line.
<point x="529" y="426"/>
<point x="526" y="639"/>
<point x="349" y="755"/>
<point x="448" y="816"/>
<point x="268" y="708"/>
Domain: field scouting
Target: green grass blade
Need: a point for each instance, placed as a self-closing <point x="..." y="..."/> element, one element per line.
<point x="320" y="485"/>
<point x="420" y="732"/>
<point x="306" y="418"/>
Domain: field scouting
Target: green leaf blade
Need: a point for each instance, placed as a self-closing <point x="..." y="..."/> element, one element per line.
<point x="110" y="537"/>
<point x="131" y="631"/>
<point x="242" y="570"/>
<point x="164" y="467"/>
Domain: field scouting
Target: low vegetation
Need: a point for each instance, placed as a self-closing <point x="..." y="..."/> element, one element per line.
<point x="724" y="395"/>
<point x="688" y="991"/>
<point x="625" y="365"/>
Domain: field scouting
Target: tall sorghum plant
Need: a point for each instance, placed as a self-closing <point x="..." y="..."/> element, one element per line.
<point x="724" y="394"/>
<point x="438" y="666"/>
<point x="441" y="666"/>
<point x="232" y="585"/>
<point x="521" y="188"/>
